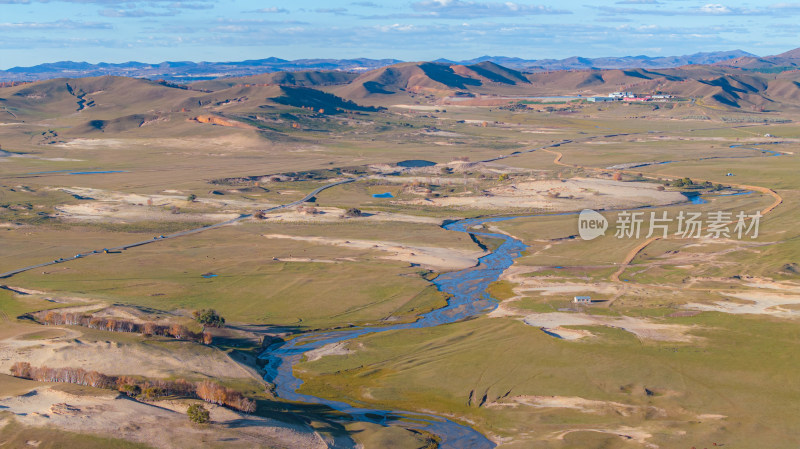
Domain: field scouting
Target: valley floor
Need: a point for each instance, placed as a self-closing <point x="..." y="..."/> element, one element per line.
<point x="685" y="341"/>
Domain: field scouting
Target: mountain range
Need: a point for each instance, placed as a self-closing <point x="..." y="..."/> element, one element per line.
<point x="123" y="104"/>
<point x="187" y="71"/>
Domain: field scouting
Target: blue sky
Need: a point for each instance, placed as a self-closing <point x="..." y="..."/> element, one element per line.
<point x="36" y="31"/>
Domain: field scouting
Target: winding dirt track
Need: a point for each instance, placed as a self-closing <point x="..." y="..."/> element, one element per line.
<point x="639" y="248"/>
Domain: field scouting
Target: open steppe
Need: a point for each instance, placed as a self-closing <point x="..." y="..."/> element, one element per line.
<point x="689" y="342"/>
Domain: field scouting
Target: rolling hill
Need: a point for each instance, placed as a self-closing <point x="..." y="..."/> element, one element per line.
<point x="306" y="78"/>
<point x="110" y="103"/>
<point x="114" y="105"/>
<point x="789" y="60"/>
<point x="714" y="85"/>
<point x="99" y="96"/>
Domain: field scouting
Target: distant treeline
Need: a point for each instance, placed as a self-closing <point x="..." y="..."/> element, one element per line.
<point x="178" y="331"/>
<point x="206" y="390"/>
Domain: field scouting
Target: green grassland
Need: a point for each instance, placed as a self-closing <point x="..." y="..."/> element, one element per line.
<point x="741" y="368"/>
<point x="17" y="435"/>
<point x="250" y="286"/>
<point x="734" y="366"/>
<point x="738" y="366"/>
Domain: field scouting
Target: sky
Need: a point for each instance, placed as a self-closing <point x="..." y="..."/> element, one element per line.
<point x="38" y="31"/>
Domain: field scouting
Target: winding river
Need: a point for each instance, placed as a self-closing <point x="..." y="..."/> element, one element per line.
<point x="469" y="298"/>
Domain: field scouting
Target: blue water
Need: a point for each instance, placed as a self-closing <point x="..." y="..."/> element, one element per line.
<point x="552" y="334"/>
<point x="96" y="172"/>
<point x="469" y="298"/>
<point x="382" y="195"/>
<point x="747" y="147"/>
<point x="415" y="163"/>
<point x="70" y="172"/>
<point x="695" y="199"/>
<point x="753" y="147"/>
<point x="209" y="275"/>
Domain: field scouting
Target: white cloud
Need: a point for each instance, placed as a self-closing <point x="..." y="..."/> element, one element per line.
<point x="396" y="27"/>
<point x="273" y="10"/>
<point x="59" y="24"/>
<point x="715" y="8"/>
<point x="460" y="9"/>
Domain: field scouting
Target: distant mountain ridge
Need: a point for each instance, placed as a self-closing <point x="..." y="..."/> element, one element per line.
<point x="623" y="62"/>
<point x="188" y="71"/>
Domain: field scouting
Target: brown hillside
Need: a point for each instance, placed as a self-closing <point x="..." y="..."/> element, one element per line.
<point x="399" y="79"/>
<point x="117" y="125"/>
<point x="788" y="59"/>
<point x="784" y="90"/>
<point x="490" y="72"/>
<point x="791" y="54"/>
<point x="220" y="121"/>
<point x="94" y="97"/>
<point x="308" y="78"/>
<point x="236" y="98"/>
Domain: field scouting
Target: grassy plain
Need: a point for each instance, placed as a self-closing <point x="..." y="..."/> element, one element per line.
<point x="732" y="383"/>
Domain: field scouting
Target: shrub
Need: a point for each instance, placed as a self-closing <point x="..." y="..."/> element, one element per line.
<point x="198" y="414"/>
<point x="150" y="390"/>
<point x="209" y="317"/>
<point x="152" y="393"/>
<point x="22" y="370"/>
<point x="130" y="390"/>
<point x="180" y="332"/>
<point x="353" y="212"/>
<point x="149" y="328"/>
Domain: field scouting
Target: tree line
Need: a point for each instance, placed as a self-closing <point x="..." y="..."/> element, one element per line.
<point x="148" y="389"/>
<point x="177" y="331"/>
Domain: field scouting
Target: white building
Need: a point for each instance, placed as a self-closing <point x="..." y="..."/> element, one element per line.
<point x="601" y="99"/>
<point x="621" y="95"/>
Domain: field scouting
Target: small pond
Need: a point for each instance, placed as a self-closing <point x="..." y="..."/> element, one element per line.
<point x="414" y="163"/>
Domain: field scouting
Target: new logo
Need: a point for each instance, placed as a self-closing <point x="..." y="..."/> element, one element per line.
<point x="591" y="224"/>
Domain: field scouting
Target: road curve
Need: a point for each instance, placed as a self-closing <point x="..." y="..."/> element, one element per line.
<point x="777" y="200"/>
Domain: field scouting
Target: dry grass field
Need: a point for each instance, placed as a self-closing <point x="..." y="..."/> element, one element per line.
<point x="689" y="343"/>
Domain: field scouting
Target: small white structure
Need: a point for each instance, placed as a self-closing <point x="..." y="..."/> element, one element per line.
<point x="601" y="99"/>
<point x="582" y="300"/>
